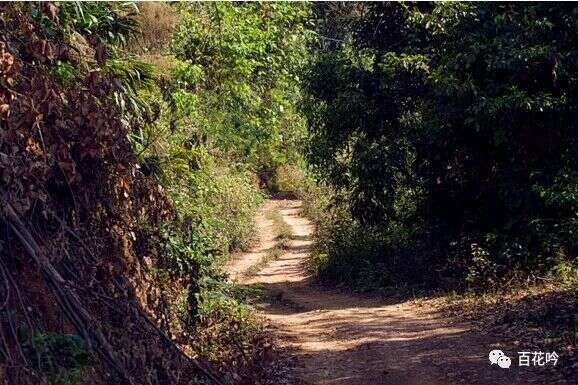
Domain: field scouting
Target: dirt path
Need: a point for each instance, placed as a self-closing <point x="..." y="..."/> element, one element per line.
<point x="342" y="339"/>
<point x="240" y="263"/>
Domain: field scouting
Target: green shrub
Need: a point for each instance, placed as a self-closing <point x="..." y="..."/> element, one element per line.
<point x="289" y="178"/>
<point x="235" y="205"/>
<point x="227" y="331"/>
<point x="316" y="199"/>
<point x="566" y="272"/>
<point x="361" y="256"/>
<point x="60" y="357"/>
<point x="64" y="73"/>
<point x="224" y="323"/>
<point x="215" y="204"/>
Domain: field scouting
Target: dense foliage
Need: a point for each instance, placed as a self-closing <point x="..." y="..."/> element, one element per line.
<point x="448" y="131"/>
<point x="238" y="74"/>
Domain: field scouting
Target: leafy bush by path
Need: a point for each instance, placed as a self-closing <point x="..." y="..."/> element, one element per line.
<point x="289" y="178"/>
<point x="348" y="252"/>
<point x="228" y="333"/>
<point x="212" y="197"/>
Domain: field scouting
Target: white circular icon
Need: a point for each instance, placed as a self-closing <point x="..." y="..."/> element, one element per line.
<point x="499" y="358"/>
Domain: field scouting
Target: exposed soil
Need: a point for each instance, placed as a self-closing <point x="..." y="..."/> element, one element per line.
<point x="337" y="338"/>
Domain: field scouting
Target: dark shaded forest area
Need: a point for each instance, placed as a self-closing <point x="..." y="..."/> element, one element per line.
<point x="450" y="130"/>
<point x="434" y="146"/>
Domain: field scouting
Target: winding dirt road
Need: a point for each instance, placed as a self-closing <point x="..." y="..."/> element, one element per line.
<point x="336" y="338"/>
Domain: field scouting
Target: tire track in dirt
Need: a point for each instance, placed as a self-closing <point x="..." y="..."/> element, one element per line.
<point x="337" y="338"/>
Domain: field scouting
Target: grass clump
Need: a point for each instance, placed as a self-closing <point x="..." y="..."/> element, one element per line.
<point x="228" y="333"/>
<point x="281" y="228"/>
